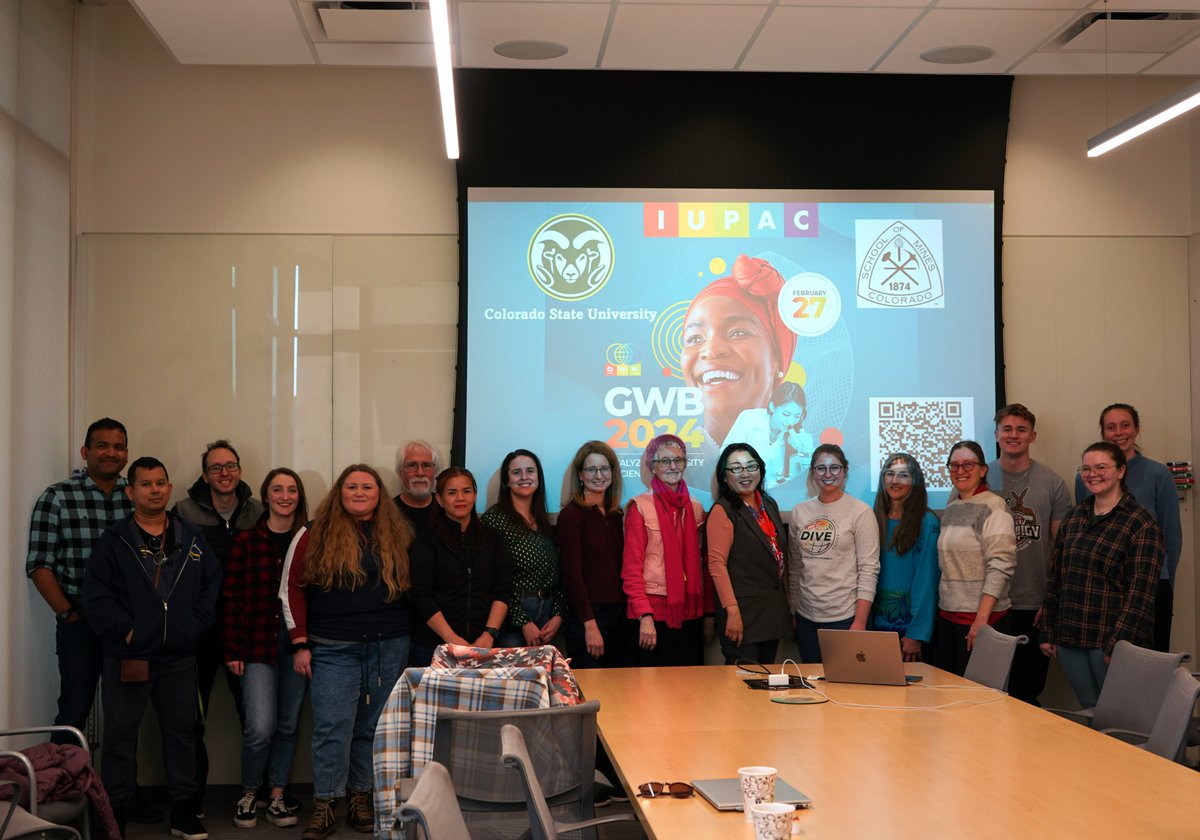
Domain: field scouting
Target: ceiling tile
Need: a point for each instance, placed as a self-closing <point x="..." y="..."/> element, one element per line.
<point x="1016" y="5"/>
<point x="577" y="26"/>
<point x="1084" y="64"/>
<point x="831" y="40"/>
<point x="1185" y="61"/>
<point x="662" y="37"/>
<point x="228" y="31"/>
<point x="376" y="55"/>
<point x="1147" y="6"/>
<point x="407" y="26"/>
<point x="1132" y="35"/>
<point x="1012" y="34"/>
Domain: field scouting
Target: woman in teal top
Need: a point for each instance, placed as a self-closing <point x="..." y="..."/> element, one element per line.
<point x="906" y="594"/>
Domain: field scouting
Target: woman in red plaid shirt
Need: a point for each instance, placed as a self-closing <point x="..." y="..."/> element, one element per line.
<point x="256" y="644"/>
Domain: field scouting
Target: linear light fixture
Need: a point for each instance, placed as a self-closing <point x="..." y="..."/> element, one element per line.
<point x="440" y="15"/>
<point x="1168" y="109"/>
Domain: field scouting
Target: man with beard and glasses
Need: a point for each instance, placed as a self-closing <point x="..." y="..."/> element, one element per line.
<point x="417" y="464"/>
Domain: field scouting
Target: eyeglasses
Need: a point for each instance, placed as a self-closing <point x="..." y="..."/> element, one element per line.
<point x="738" y="469"/>
<point x="897" y="477"/>
<point x="418" y="465"/>
<point x="217" y="469"/>
<point x="677" y="790"/>
<point x="594" y="471"/>
<point x="1100" y="469"/>
<point x="962" y="466"/>
<point x="828" y="469"/>
<point x="670" y="462"/>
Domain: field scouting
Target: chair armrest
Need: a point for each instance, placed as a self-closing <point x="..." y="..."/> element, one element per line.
<point x="1085" y="714"/>
<point x="36" y="730"/>
<point x="564" y="827"/>
<point x="1126" y="735"/>
<point x="30" y="793"/>
<point x="12" y="803"/>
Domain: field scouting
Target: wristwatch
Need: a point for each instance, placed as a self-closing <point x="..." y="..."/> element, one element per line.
<point x="493" y="630"/>
<point x="65" y="614"/>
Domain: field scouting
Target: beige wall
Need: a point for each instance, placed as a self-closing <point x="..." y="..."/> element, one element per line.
<point x="1093" y="250"/>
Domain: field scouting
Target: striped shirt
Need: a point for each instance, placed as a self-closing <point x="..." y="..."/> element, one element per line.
<point x="68" y="518"/>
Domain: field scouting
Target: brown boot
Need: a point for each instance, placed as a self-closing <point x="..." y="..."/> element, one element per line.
<point x="322" y="822"/>
<point x="361" y="815"/>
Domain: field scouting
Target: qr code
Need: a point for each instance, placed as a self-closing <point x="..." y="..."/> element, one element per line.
<point x="924" y="427"/>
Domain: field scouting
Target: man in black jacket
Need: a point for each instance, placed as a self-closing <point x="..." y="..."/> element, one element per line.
<point x="149" y="592"/>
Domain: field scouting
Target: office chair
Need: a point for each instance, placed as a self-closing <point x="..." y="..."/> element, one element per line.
<point x="60" y="812"/>
<point x="434" y="806"/>
<point x="1169" y="736"/>
<point x="19" y="823"/>
<point x="991" y="658"/>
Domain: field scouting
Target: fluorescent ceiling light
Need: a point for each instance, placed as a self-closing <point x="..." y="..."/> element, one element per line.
<point x="1137" y="125"/>
<point x="445" y="73"/>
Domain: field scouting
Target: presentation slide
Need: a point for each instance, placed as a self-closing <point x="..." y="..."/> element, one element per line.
<point x="780" y="319"/>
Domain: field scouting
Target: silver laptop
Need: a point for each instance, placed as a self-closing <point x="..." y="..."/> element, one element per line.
<point x="862" y="656"/>
<point x="726" y="794"/>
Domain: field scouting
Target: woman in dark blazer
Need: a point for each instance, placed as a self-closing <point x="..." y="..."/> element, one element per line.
<point x="747" y="559"/>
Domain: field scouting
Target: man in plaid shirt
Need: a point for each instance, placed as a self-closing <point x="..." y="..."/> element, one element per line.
<point x="67" y="520"/>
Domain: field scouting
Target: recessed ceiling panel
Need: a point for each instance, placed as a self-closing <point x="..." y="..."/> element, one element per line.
<point x="1084" y="64"/>
<point x="364" y="25"/>
<point x="1132" y="35"/>
<point x="376" y="55"/>
<point x="228" y="31"/>
<point x="1185" y="61"/>
<point x="661" y="37"/>
<point x="1011" y="34"/>
<point x="827" y="40"/>
<point x="577" y="26"/>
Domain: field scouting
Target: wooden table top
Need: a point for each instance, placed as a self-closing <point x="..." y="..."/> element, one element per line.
<point x="982" y="766"/>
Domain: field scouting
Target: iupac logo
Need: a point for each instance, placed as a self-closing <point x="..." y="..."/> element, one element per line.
<point x="571" y="257"/>
<point x="818" y="536"/>
<point x="899" y="263"/>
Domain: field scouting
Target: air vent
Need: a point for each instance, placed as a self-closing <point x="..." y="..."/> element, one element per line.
<point x="1126" y="32"/>
<point x="368" y="22"/>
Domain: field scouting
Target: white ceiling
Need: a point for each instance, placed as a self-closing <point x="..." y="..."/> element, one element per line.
<point x="1026" y="37"/>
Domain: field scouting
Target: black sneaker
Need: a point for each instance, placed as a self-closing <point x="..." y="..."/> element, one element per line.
<point x="245" y="815"/>
<point x="279" y="814"/>
<point x="184" y="823"/>
<point x="361" y="815"/>
<point x="322" y="823"/>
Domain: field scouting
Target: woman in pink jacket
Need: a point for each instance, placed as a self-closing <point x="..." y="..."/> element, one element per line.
<point x="668" y="589"/>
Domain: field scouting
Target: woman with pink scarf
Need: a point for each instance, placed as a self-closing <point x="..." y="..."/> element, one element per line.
<point x="668" y="589"/>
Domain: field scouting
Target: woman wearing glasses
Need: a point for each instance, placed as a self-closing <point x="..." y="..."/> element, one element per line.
<point x="668" y="590"/>
<point x="1151" y="484"/>
<point x="747" y="559"/>
<point x="977" y="552"/>
<point x="350" y="621"/>
<point x="591" y="540"/>
<point x="834" y="555"/>
<point x="256" y="646"/>
<point x="906" y="596"/>
<point x="536" y="609"/>
<point x="1103" y="575"/>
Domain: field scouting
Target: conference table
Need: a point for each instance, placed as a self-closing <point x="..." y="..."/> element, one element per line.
<point x="940" y="758"/>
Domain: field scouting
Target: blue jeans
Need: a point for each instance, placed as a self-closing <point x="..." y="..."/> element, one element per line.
<point x="1085" y="670"/>
<point x="350" y="683"/>
<point x="272" y="695"/>
<point x="806" y="636"/>
<point x="79" y="660"/>
<point x="539" y="610"/>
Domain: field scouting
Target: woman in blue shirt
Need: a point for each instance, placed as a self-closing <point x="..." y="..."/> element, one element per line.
<point x="906" y="594"/>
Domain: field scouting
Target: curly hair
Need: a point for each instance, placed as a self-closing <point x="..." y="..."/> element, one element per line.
<point x="336" y="543"/>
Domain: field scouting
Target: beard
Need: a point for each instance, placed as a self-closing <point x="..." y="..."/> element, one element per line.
<point x="420" y="490"/>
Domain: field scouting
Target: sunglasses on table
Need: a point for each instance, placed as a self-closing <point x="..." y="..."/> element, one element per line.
<point x="678" y="790"/>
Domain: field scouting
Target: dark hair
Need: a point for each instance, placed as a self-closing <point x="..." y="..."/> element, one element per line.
<point x="912" y="509"/>
<point x="300" y="514"/>
<point x="1015" y="410"/>
<point x="537" y="505"/>
<point x="1133" y="414"/>
<point x="789" y="392"/>
<point x="612" y="495"/>
<point x="217" y="444"/>
<point x="1113" y="451"/>
<point x="102" y="425"/>
<point x="830" y="449"/>
<point x="725" y="491"/>
<point x="977" y="451"/>
<point x="146" y="462"/>
<point x="476" y="533"/>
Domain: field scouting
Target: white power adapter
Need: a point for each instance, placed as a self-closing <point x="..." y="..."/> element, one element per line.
<point x="777" y="679"/>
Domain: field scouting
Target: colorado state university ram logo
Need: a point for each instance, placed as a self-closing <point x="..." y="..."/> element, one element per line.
<point x="571" y="257"/>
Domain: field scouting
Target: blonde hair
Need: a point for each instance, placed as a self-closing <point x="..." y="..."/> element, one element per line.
<point x="334" y="557"/>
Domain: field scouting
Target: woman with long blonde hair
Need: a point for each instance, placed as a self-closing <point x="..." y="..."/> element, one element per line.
<point x="350" y="622"/>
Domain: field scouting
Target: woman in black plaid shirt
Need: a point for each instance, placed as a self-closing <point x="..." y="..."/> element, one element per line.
<point x="1103" y="575"/>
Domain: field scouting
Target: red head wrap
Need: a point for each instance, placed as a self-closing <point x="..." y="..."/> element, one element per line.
<point x="755" y="283"/>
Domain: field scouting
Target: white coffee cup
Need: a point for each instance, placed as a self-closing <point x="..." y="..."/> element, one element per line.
<point x="773" y="820"/>
<point x="758" y="786"/>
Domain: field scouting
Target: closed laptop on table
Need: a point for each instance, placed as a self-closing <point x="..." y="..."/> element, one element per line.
<point x="862" y="656"/>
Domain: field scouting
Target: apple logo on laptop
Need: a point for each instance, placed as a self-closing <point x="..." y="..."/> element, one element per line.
<point x="860" y="656"/>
